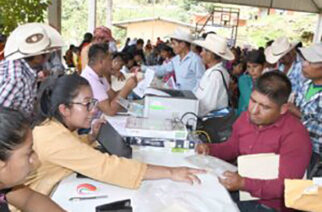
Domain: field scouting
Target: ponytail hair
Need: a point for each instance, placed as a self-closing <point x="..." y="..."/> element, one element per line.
<point x="57" y="90"/>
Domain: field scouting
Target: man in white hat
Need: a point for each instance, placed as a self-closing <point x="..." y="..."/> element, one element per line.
<point x="284" y="53"/>
<point x="309" y="101"/>
<point x="212" y="91"/>
<point x="26" y="48"/>
<point x="188" y="66"/>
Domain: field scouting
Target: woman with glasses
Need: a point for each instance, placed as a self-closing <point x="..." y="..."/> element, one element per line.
<point x="17" y="159"/>
<point x="67" y="104"/>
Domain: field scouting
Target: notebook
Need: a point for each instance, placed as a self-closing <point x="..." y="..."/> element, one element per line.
<point x="258" y="166"/>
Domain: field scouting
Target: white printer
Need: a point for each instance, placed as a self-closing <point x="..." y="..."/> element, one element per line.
<point x="171" y="104"/>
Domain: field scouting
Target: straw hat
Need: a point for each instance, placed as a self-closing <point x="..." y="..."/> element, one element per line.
<point x="32" y="39"/>
<point x="280" y="47"/>
<point x="217" y="45"/>
<point x="312" y="53"/>
<point x="182" y="34"/>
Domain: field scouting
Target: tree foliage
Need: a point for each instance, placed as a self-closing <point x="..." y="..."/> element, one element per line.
<point x="16" y="12"/>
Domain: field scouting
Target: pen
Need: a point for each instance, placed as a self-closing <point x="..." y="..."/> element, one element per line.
<point x="87" y="198"/>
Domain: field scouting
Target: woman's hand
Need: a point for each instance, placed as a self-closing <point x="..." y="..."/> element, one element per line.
<point x="96" y="126"/>
<point x="185" y="174"/>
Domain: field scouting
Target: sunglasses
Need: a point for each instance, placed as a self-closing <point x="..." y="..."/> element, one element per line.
<point x="90" y="105"/>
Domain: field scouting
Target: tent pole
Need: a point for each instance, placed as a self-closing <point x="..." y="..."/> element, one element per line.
<point x="318" y="30"/>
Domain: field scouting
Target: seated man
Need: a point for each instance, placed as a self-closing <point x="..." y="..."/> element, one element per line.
<point x="309" y="102"/>
<point x="267" y="127"/>
<point x="99" y="64"/>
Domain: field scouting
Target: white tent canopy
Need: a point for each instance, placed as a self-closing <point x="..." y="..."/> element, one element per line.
<point x="310" y="6"/>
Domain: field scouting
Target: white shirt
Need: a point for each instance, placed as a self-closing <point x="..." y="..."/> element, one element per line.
<point x="211" y="91"/>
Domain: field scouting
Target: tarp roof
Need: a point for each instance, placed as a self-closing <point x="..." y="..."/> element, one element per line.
<point x="311" y="6"/>
<point x="124" y="24"/>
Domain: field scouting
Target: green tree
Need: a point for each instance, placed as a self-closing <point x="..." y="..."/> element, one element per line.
<point x="15" y="12"/>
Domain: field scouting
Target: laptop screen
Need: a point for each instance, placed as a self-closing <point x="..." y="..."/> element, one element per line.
<point x="113" y="142"/>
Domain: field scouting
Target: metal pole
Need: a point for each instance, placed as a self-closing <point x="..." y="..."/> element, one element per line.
<point x="91" y="15"/>
<point x="318" y="30"/>
<point x="109" y="13"/>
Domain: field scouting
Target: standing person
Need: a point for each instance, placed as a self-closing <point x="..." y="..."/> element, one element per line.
<point x="26" y="49"/>
<point x="255" y="66"/>
<point x="3" y="39"/>
<point x="187" y="65"/>
<point x="16" y="161"/>
<point x="67" y="104"/>
<point x="309" y="103"/>
<point x="212" y="91"/>
<point x="166" y="53"/>
<point x="267" y="127"/>
<point x="288" y="61"/>
<point x="102" y="34"/>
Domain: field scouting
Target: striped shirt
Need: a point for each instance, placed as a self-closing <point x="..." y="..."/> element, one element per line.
<point x="311" y="110"/>
<point x="18" y="85"/>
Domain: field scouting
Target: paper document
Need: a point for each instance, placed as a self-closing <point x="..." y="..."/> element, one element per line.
<point x="144" y="84"/>
<point x="117" y="84"/>
<point x="213" y="165"/>
<point x="156" y="92"/>
<point x="258" y="166"/>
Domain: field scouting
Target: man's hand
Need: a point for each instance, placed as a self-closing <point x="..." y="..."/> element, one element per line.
<point x="202" y="149"/>
<point x="232" y="181"/>
<point x="120" y="76"/>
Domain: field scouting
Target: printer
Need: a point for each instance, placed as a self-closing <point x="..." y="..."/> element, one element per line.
<point x="171" y="104"/>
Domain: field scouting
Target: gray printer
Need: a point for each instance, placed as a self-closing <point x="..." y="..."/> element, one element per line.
<point x="171" y="104"/>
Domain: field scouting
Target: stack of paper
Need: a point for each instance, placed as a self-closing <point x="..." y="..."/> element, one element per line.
<point x="257" y="166"/>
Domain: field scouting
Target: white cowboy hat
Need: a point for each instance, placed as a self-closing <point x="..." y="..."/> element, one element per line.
<point x="32" y="39"/>
<point x="217" y="45"/>
<point x="312" y="53"/>
<point x="182" y="34"/>
<point x="280" y="47"/>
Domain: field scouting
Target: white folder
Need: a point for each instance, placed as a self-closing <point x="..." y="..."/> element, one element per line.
<point x="262" y="166"/>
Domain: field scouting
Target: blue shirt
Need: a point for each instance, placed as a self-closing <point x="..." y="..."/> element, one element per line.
<point x="295" y="74"/>
<point x="311" y="110"/>
<point x="188" y="71"/>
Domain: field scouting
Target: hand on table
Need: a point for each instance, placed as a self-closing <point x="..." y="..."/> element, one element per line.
<point x="185" y="174"/>
<point x="232" y="181"/>
<point x="202" y="149"/>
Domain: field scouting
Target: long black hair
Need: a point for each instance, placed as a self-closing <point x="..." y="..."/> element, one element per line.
<point x="56" y="91"/>
<point x="13" y="131"/>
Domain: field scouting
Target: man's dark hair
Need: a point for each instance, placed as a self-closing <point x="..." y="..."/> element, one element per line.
<point x="140" y="41"/>
<point x="97" y="52"/>
<point x="275" y="85"/>
<point x="256" y="56"/>
<point x="120" y="55"/>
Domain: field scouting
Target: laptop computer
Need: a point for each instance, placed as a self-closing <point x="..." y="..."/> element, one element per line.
<point x="112" y="142"/>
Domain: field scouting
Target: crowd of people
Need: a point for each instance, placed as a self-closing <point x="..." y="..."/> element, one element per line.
<point x="276" y="91"/>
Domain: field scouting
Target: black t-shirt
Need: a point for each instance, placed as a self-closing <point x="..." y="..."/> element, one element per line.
<point x="3" y="200"/>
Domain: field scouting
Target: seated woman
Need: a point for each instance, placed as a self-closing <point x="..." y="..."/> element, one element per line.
<point x="16" y="161"/>
<point x="67" y="104"/>
<point x="213" y="86"/>
<point x="255" y="66"/>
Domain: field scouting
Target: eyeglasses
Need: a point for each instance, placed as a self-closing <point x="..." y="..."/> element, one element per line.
<point x="90" y="105"/>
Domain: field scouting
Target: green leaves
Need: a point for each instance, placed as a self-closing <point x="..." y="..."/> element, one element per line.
<point x="16" y="12"/>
